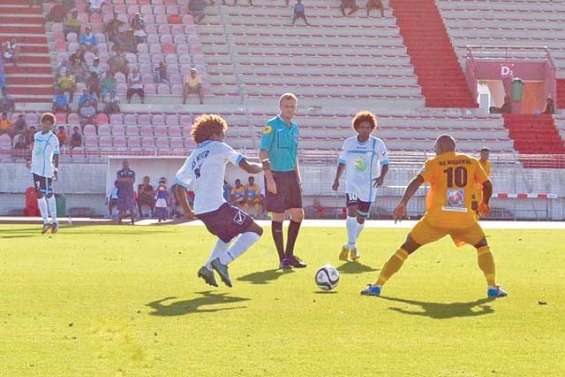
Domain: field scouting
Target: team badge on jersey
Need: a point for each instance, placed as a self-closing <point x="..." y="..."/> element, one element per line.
<point x="267" y="130"/>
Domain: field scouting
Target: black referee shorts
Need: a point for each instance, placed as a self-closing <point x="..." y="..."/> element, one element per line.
<point x="288" y="193"/>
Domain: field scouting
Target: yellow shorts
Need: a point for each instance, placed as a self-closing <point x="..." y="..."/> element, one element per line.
<point x="423" y="233"/>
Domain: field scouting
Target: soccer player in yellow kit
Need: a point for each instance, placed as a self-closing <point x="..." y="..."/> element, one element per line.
<point x="452" y="177"/>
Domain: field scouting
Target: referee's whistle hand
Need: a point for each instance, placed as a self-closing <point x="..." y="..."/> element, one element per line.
<point x="272" y="186"/>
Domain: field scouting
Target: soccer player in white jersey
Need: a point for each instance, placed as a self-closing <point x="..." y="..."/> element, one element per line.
<point x="44" y="167"/>
<point x="204" y="171"/>
<point x="365" y="162"/>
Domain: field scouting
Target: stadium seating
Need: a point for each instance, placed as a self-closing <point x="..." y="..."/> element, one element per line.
<point x="31" y="81"/>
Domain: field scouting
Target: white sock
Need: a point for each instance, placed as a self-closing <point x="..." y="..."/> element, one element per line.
<point x="218" y="250"/>
<point x="351" y="231"/>
<point x="52" y="208"/>
<point x="244" y="242"/>
<point x="359" y="230"/>
<point x="42" y="204"/>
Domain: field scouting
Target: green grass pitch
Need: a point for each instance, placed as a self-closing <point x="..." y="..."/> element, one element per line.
<point x="125" y="301"/>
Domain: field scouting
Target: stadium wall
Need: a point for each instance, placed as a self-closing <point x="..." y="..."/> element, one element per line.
<point x="86" y="186"/>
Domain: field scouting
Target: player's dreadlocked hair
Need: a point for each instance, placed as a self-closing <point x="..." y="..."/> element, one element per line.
<point x="364" y="116"/>
<point x="207" y="125"/>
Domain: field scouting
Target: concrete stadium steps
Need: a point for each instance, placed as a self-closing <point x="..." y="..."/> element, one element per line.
<point x="535" y="134"/>
<point x="257" y="46"/>
<point x="518" y="23"/>
<point x="31" y="81"/>
<point x="435" y="63"/>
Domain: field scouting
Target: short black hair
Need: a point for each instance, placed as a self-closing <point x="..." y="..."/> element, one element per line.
<point x="485" y="149"/>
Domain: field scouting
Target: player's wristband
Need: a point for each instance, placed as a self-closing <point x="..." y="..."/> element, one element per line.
<point x="266" y="164"/>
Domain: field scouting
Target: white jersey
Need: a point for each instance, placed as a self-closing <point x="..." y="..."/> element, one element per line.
<point x="363" y="163"/>
<point x="204" y="172"/>
<point x="45" y="146"/>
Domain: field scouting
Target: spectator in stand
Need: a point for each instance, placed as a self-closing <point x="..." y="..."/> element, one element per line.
<point x="135" y="86"/>
<point x="7" y="103"/>
<point x="161" y="200"/>
<point x="76" y="138"/>
<point x="549" y="106"/>
<point x="57" y="13"/>
<point x="85" y="96"/>
<point x="94" y="6"/>
<point x="112" y="28"/>
<point x="29" y="135"/>
<point x="161" y="75"/>
<point x="192" y="84"/>
<point x="197" y="9"/>
<point x="252" y="197"/>
<point x="119" y="63"/>
<point x="67" y="85"/>
<point x="93" y="85"/>
<point x="349" y="4"/>
<point x="299" y="12"/>
<point x="10" y="51"/>
<point x="375" y="4"/>
<point x="235" y="2"/>
<point x="20" y="125"/>
<point x="20" y="141"/>
<point x="6" y="125"/>
<point x="145" y="197"/>
<point x="112" y="106"/>
<point x="238" y="194"/>
<point x="88" y="40"/>
<point x="87" y="111"/>
<point x="71" y="24"/>
<point x="61" y="102"/>
<point x="62" y="136"/>
<point x="506" y="106"/>
<point x="77" y="64"/>
<point x="96" y="68"/>
<point x="138" y="26"/>
<point x="108" y="86"/>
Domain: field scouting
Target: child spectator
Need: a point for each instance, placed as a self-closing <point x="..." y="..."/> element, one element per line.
<point x="145" y="196"/>
<point x="62" y="136"/>
<point x="112" y="198"/>
<point x="76" y="138"/>
<point x="238" y="194"/>
<point x="161" y="200"/>
<point x="299" y="12"/>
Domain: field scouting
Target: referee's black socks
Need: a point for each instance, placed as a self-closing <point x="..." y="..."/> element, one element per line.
<point x="293" y="230"/>
<point x="277" y="230"/>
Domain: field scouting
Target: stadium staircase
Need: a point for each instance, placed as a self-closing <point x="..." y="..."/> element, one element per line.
<point x="536" y="135"/>
<point x="435" y="62"/>
<point x="32" y="80"/>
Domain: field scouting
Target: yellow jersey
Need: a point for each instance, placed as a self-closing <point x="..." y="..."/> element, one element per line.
<point x="453" y="178"/>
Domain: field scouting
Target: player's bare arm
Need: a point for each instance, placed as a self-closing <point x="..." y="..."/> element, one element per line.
<point x="250" y="167"/>
<point x="484" y="208"/>
<point x="378" y="182"/>
<point x="338" y="174"/>
<point x="400" y="210"/>
<point x="271" y="184"/>
<point x="182" y="199"/>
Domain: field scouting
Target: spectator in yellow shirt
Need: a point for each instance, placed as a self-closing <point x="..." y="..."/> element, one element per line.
<point x="252" y="197"/>
<point x="5" y="125"/>
<point x="192" y="84"/>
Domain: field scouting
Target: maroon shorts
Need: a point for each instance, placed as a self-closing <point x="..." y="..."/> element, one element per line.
<point x="227" y="222"/>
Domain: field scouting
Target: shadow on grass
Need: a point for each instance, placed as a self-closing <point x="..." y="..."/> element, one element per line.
<point x="355" y="268"/>
<point x="438" y="310"/>
<point x="195" y="305"/>
<point x="264" y="277"/>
